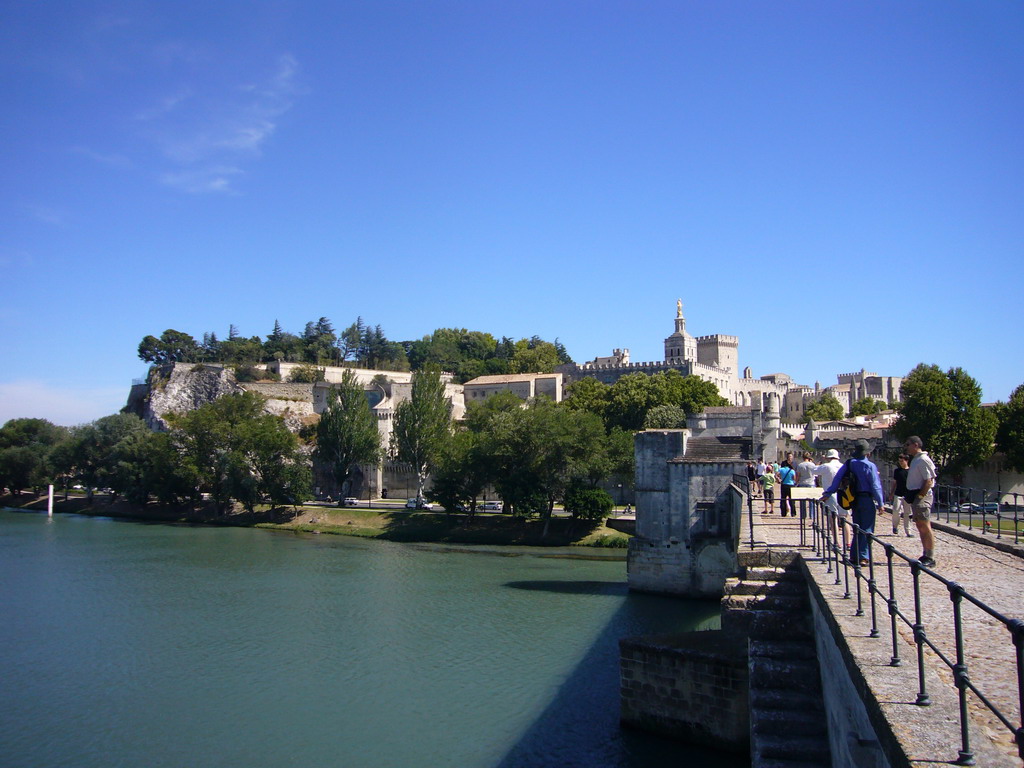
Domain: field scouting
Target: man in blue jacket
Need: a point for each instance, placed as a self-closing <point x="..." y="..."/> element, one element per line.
<point x="868" y="501"/>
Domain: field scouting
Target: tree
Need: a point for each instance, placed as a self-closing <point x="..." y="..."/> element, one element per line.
<point x="587" y="394"/>
<point x="347" y="433"/>
<point x="422" y="425"/>
<point x="1010" y="435"/>
<point x="944" y="410"/>
<point x="27" y="451"/>
<point x="588" y="503"/>
<point x="172" y="347"/>
<point x="234" y="450"/>
<point x="665" y="417"/>
<point x="21" y="467"/>
<point x="691" y="393"/>
<point x="629" y="400"/>
<point x="534" y="356"/>
<point x="825" y="408"/>
<point x="867" y="406"/>
<point x="91" y="455"/>
<point x="350" y="339"/>
<point x="461" y="473"/>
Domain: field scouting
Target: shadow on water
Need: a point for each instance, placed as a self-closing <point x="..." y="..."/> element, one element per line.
<point x="580" y="727"/>
<point x="619" y="589"/>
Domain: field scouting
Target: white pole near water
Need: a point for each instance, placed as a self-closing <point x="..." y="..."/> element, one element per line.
<point x="49" y="508"/>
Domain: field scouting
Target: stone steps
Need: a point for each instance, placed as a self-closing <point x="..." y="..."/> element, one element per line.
<point x="787" y="718"/>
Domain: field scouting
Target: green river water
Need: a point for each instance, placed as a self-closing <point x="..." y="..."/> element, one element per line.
<point x="132" y="644"/>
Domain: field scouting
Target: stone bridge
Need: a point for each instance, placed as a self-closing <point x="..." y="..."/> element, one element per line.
<point x="855" y="687"/>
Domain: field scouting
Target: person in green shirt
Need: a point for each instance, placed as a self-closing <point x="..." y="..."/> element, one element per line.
<point x="768" y="484"/>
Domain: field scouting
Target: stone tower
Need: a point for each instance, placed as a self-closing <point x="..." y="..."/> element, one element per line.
<point x="680" y="347"/>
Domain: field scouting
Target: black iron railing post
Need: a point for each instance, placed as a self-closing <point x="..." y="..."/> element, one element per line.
<point x="919" y="636"/>
<point x="857" y="575"/>
<point x="872" y="590"/>
<point x="846" y="562"/>
<point x="1016" y="627"/>
<point x="960" y="677"/>
<point x="893" y="607"/>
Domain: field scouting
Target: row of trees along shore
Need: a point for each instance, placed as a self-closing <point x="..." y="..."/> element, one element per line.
<point x="533" y="454"/>
<point x="467" y="354"/>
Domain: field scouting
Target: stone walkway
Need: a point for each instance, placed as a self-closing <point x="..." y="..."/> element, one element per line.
<point x="994" y="577"/>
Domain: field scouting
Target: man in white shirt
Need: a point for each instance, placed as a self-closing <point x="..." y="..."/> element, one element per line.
<point x="827" y="472"/>
<point x="805" y="472"/>
<point x="920" y="479"/>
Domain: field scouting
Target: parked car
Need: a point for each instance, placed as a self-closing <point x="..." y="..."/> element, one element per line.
<point x="351" y="501"/>
<point x="491" y="506"/>
<point x="418" y="504"/>
<point x="977" y="509"/>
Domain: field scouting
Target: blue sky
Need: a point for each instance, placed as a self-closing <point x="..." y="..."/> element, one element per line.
<point x="841" y="185"/>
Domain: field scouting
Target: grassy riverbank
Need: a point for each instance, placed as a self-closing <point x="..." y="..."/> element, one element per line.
<point x="378" y="523"/>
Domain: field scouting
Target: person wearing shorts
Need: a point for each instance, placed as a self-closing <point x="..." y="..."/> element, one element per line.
<point x="900" y="506"/>
<point x="920" y="479"/>
<point x="768" y="486"/>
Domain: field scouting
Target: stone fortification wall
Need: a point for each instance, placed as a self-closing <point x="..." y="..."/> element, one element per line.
<point x="273" y="390"/>
<point x="692" y="687"/>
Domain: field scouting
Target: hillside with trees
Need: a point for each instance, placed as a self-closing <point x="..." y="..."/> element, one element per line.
<point x="467" y="354"/>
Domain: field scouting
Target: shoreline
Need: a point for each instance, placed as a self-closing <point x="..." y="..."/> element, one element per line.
<point x="593" y="540"/>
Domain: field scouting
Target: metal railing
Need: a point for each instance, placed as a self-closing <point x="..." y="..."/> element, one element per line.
<point x="868" y="594"/>
<point x="989" y="512"/>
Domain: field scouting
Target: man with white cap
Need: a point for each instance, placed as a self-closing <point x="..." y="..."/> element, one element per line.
<point x="868" y="499"/>
<point x="827" y="472"/>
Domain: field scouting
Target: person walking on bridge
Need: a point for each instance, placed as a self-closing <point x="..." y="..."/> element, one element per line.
<point x="900" y="506"/>
<point x="826" y="473"/>
<point x="867" y="501"/>
<point x="920" y="479"/>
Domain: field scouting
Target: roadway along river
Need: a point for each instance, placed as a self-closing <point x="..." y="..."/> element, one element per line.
<point x="129" y="644"/>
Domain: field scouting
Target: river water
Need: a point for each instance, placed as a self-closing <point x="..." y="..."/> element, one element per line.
<point x="131" y="644"/>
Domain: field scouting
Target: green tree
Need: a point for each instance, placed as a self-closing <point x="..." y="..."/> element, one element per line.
<point x="867" y="406"/>
<point x="692" y="393"/>
<point x="1010" y="435"/>
<point x="93" y="446"/>
<point x="172" y="347"/>
<point x="461" y="473"/>
<point x="534" y="356"/>
<point x="629" y="400"/>
<point x="944" y="410"/>
<point x="665" y="417"/>
<point x="422" y="426"/>
<point x="21" y="467"/>
<point x="347" y="434"/>
<point x="234" y="450"/>
<point x="145" y="464"/>
<point x="825" y="408"/>
<point x="588" y="503"/>
<point x="28" y="448"/>
<point x="587" y="394"/>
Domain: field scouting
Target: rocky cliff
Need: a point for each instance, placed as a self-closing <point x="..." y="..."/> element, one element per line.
<point x="182" y="387"/>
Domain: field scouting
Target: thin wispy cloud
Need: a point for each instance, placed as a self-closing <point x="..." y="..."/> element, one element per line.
<point x="209" y="133"/>
<point x="48" y="215"/>
<point x="165" y="106"/>
<point x="114" y="160"/>
<point x="211" y="180"/>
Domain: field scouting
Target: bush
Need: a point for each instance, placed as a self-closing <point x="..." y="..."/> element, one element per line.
<point x="247" y="373"/>
<point x="307" y="374"/>
<point x="588" y="503"/>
